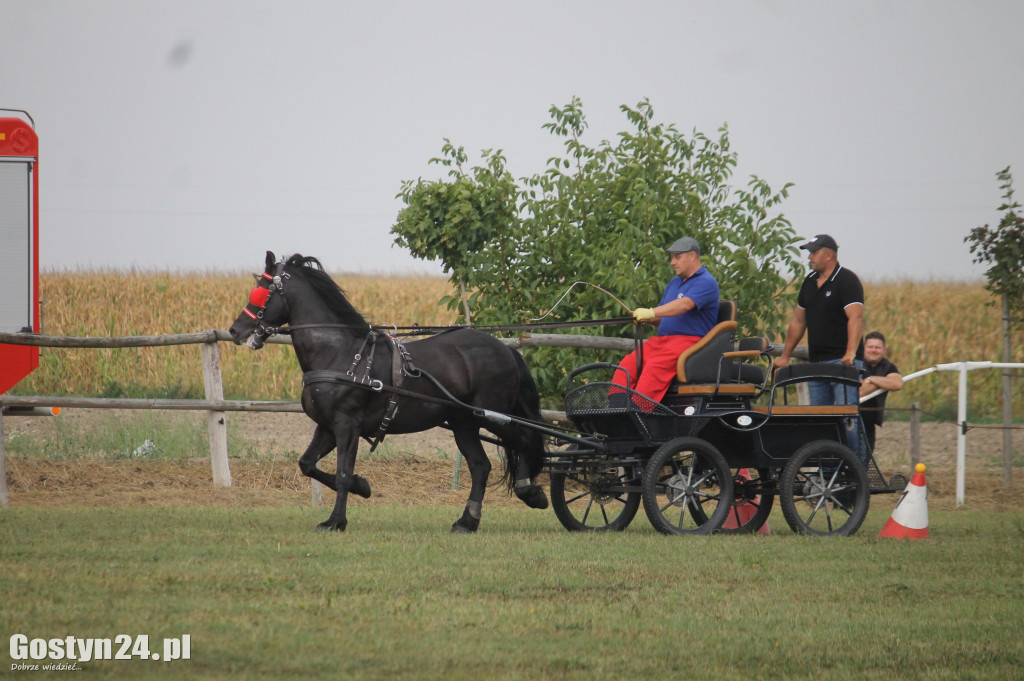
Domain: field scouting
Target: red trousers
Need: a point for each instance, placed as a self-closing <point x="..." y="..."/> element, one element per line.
<point x="661" y="354"/>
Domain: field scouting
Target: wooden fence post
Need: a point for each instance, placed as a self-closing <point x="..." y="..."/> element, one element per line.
<point x="217" y="420"/>
<point x="3" y="460"/>
<point x="1007" y="395"/>
<point x="915" y="434"/>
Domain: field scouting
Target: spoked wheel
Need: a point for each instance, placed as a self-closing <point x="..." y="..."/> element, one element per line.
<point x="750" y="506"/>
<point x="595" y="499"/>
<point x="825" y="490"/>
<point x="687" y="487"/>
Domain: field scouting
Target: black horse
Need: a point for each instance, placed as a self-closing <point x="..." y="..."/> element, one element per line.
<point x="360" y="382"/>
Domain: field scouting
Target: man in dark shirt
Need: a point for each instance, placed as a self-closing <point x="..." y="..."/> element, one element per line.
<point x="881" y="374"/>
<point x="830" y="308"/>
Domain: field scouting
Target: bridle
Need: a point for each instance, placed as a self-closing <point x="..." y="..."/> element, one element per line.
<point x="259" y="297"/>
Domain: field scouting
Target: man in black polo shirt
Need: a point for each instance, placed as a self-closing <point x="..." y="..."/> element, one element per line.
<point x="881" y="373"/>
<point x="830" y="308"/>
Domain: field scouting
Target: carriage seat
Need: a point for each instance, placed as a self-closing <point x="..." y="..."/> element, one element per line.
<point x="813" y="371"/>
<point x="710" y="365"/>
<point x="816" y="371"/>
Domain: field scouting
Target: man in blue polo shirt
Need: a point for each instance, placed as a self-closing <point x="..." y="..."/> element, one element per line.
<point x="687" y="311"/>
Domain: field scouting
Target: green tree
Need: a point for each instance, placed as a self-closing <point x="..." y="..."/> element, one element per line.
<point x="452" y="220"/>
<point x="603" y="214"/>
<point x="1002" y="248"/>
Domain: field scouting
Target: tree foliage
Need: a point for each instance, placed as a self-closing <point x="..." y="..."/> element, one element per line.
<point x="1002" y="247"/>
<point x="602" y="214"/>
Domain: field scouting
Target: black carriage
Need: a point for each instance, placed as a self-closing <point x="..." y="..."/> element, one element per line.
<point x="716" y="452"/>
<point x="711" y="456"/>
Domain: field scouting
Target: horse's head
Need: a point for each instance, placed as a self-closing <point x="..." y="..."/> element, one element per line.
<point x="264" y="309"/>
<point x="312" y="299"/>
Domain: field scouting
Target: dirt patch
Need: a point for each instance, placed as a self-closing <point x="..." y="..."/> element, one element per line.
<point x="406" y="469"/>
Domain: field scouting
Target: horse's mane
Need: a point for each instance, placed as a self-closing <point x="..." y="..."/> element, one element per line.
<point x="311" y="269"/>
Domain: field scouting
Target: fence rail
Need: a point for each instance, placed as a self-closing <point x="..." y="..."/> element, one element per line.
<point x="148" y="403"/>
<point x="216" y="406"/>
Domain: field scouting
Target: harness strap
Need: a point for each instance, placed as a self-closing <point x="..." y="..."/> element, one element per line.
<point x="401" y="366"/>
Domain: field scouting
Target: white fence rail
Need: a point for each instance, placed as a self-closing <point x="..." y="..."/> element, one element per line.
<point x="961" y="410"/>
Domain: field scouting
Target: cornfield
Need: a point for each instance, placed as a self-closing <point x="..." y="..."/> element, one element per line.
<point x="111" y="303"/>
<point x="929" y="323"/>
<point x="926" y="323"/>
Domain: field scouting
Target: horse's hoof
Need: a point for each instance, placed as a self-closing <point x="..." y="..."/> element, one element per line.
<point x="467" y="524"/>
<point x="328" y="526"/>
<point x="533" y="496"/>
<point x="360" y="487"/>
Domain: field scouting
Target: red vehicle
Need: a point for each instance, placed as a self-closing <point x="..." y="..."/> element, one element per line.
<point x="19" y="243"/>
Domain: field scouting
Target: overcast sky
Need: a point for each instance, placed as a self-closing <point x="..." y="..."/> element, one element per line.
<point x="198" y="134"/>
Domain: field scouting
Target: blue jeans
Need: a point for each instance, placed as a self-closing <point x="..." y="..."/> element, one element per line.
<point x="824" y="392"/>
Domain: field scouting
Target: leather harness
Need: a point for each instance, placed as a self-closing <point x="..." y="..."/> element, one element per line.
<point x="401" y="366"/>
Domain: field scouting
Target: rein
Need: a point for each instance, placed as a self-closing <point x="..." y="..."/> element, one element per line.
<point x="417" y="330"/>
<point x="268" y="284"/>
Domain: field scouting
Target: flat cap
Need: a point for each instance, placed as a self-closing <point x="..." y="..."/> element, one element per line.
<point x="684" y="245"/>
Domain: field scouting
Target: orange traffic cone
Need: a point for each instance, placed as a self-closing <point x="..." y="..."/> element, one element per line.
<point x="910" y="517"/>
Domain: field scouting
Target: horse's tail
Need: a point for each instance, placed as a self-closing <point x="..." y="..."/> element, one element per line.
<point x="524" y="447"/>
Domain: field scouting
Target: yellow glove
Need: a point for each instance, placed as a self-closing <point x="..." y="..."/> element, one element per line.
<point x="644" y="314"/>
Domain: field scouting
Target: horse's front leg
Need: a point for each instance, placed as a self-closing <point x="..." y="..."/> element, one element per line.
<point x="467" y="438"/>
<point x="320" y="446"/>
<point x="348" y="443"/>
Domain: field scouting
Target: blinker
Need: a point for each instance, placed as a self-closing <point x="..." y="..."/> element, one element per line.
<point x="258" y="296"/>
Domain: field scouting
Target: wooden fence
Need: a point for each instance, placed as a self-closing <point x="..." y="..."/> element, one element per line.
<point x="214" y="403"/>
<point x="217" y="407"/>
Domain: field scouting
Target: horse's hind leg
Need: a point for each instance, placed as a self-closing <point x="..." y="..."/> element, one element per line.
<point x="531" y="493"/>
<point x="526" y="489"/>
<point x="467" y="438"/>
<point x="320" y="446"/>
<point x="516" y="449"/>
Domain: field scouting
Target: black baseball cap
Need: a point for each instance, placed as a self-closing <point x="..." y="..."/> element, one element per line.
<point x="821" y="241"/>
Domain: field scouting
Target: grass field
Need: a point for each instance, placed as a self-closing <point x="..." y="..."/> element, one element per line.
<point x="261" y="596"/>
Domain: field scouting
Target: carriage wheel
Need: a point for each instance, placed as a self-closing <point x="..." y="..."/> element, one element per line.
<point x="687" y="487"/>
<point x="750" y="507"/>
<point x="824" y="490"/>
<point x="591" y="499"/>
